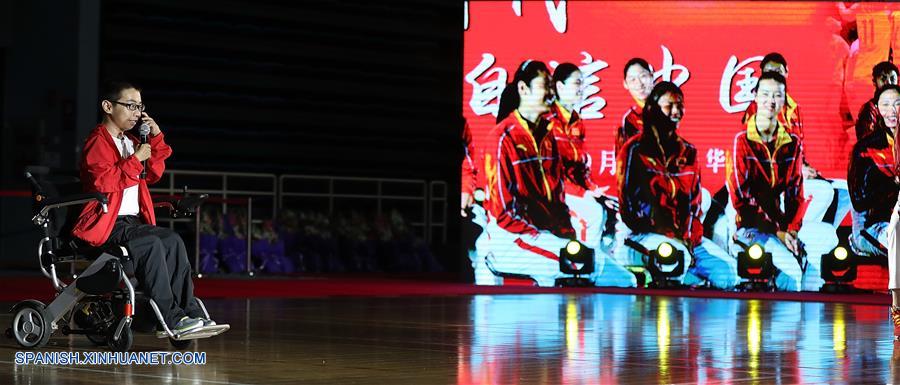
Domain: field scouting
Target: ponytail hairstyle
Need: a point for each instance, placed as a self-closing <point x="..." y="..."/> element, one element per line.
<point x="509" y="99"/>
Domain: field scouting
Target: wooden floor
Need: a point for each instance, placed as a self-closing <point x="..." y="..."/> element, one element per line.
<point x="510" y="339"/>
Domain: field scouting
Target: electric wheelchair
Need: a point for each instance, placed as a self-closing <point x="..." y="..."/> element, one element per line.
<point x="101" y="301"/>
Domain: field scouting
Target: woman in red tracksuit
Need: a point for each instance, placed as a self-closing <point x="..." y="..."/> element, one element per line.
<point x="821" y="191"/>
<point x="874" y="177"/>
<point x="638" y="82"/>
<point x="529" y="220"/>
<point x="588" y="216"/>
<point x="766" y="186"/>
<point x="660" y="193"/>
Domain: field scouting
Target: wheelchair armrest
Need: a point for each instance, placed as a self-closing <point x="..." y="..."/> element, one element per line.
<point x="181" y="207"/>
<point x="75" y="199"/>
<point x="190" y="203"/>
<point x="167" y="204"/>
<point x="48" y="204"/>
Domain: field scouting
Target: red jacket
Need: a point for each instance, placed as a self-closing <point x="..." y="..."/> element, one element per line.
<point x="866" y="119"/>
<point x="104" y="170"/>
<point x="758" y="175"/>
<point x="660" y="194"/>
<point x="525" y="178"/>
<point x="632" y="124"/>
<point x="569" y="135"/>
<point x="469" y="171"/>
<point x="872" y="174"/>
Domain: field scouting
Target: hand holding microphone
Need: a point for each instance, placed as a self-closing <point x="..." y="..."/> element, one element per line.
<point x="143" y="151"/>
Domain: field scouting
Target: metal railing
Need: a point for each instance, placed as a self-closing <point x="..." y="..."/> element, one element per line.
<point x="428" y="199"/>
<point x="218" y="184"/>
<point x="332" y="190"/>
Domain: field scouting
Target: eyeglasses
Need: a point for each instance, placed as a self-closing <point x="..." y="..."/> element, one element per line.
<point x="131" y="106"/>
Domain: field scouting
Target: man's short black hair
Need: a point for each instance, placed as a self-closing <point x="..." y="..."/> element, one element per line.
<point x="111" y="89"/>
<point x="773" y="57"/>
<point x="771" y="75"/>
<point x="884" y="67"/>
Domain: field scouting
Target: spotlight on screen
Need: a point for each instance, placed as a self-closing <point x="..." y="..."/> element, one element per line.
<point x="578" y="260"/>
<point x="838" y="269"/>
<point x="665" y="263"/>
<point x="755" y="265"/>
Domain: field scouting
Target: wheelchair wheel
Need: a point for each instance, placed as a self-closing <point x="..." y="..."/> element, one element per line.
<point x="31" y="327"/>
<point x="180" y="344"/>
<point x="124" y="342"/>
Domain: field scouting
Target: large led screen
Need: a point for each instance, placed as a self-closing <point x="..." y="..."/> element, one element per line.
<point x="685" y="168"/>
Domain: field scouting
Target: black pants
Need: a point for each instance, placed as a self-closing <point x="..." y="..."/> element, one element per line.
<point x="160" y="264"/>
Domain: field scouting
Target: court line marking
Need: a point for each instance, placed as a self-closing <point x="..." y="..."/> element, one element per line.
<point x="130" y="374"/>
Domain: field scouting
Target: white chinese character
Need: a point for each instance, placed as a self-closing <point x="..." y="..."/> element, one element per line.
<point x="608" y="161"/>
<point x="715" y="159"/>
<point x="556" y="12"/>
<point x="558" y="15"/>
<point x="743" y="97"/>
<point x="486" y="96"/>
<point x="593" y="103"/>
<point x="466" y="15"/>
<point x="668" y="66"/>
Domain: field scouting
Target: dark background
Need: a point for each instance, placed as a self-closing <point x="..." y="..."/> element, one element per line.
<point x="351" y="88"/>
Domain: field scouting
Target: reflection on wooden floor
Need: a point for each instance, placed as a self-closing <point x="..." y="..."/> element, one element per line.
<point x="511" y="339"/>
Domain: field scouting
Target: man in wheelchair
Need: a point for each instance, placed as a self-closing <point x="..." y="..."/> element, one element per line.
<point x="115" y="229"/>
<point x="119" y="164"/>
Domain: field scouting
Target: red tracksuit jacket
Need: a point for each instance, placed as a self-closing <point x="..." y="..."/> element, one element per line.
<point x="632" y="124"/>
<point x="569" y="134"/>
<point x="525" y="178"/>
<point x="866" y="119"/>
<point x="104" y="170"/>
<point x="871" y="177"/>
<point x="759" y="173"/>
<point x="469" y="171"/>
<point x="660" y="194"/>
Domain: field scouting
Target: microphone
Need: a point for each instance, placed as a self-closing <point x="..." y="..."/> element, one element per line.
<point x="144" y="131"/>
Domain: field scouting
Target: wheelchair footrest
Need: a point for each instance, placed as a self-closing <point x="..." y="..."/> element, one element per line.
<point x="202" y="332"/>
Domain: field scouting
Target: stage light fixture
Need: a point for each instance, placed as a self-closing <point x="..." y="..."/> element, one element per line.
<point x="838" y="267"/>
<point x="755" y="265"/>
<point x="665" y="264"/>
<point x="578" y="260"/>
